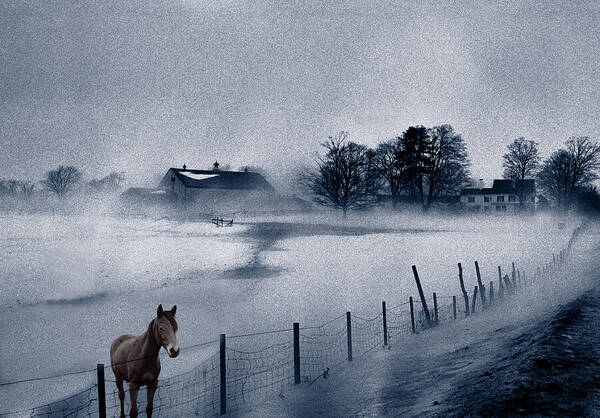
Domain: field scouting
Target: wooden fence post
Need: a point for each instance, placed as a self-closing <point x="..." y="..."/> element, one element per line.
<point x="223" y="367"/>
<point x="454" y="306"/>
<point x="474" y="299"/>
<point x="481" y="287"/>
<point x="508" y="283"/>
<point x="349" y="334"/>
<point x="422" y="296"/>
<point x="462" y="288"/>
<point x="514" y="276"/>
<point x="500" y="285"/>
<point x="385" y="334"/>
<point x="296" y="353"/>
<point x="101" y="391"/>
<point x="491" y="293"/>
<point x="435" y="309"/>
<point x="412" y="314"/>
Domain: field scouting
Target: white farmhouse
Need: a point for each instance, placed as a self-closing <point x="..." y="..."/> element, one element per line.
<point x="503" y="196"/>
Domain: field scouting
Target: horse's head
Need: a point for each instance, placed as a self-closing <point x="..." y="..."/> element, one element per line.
<point x="165" y="328"/>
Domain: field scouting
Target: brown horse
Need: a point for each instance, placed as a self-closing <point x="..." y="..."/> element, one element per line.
<point x="135" y="359"/>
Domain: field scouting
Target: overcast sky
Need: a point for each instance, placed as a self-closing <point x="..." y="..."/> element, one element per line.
<point x="141" y="86"/>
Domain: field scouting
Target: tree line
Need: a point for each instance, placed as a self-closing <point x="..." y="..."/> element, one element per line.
<point x="61" y="181"/>
<point x="423" y="164"/>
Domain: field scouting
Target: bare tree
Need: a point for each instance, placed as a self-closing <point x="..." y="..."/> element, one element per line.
<point x="61" y="180"/>
<point x="522" y="159"/>
<point x="390" y="167"/>
<point x="554" y="177"/>
<point x="568" y="170"/>
<point x="12" y="187"/>
<point x="585" y="160"/>
<point x="448" y="163"/>
<point x="27" y="189"/>
<point x="373" y="179"/>
<point x="340" y="179"/>
<point x="521" y="162"/>
<point x="112" y="182"/>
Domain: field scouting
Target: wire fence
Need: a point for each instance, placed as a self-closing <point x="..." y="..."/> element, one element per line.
<point x="245" y="372"/>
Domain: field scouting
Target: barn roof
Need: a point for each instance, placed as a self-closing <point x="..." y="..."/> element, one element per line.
<point x="216" y="179"/>
<point x="504" y="187"/>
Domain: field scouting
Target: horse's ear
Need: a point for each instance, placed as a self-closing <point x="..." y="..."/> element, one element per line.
<point x="174" y="309"/>
<point x="159" y="311"/>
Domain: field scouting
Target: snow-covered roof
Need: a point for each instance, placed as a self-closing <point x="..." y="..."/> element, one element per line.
<point x="215" y="179"/>
<point x="197" y="176"/>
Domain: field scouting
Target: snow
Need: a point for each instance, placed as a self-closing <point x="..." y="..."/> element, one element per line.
<point x="433" y="373"/>
<point x="197" y="176"/>
<point x="71" y="285"/>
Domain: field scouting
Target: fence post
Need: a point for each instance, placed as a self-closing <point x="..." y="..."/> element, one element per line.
<point x="491" y="293"/>
<point x="101" y="391"/>
<point x="514" y="275"/>
<point x="474" y="300"/>
<point x="385" y="335"/>
<point x="500" y="285"/>
<point x="508" y="284"/>
<point x="349" y="334"/>
<point x="422" y="296"/>
<point x="296" y="353"/>
<point x="481" y="287"/>
<point x="519" y="278"/>
<point x="412" y="314"/>
<point x="435" y="309"/>
<point x="462" y="288"/>
<point x="223" y="365"/>
<point x="454" y="306"/>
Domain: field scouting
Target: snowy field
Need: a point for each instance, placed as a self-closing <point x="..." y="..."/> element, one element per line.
<point x="69" y="286"/>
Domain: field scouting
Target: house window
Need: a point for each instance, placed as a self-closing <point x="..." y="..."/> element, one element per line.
<point x="471" y="199"/>
<point x="498" y="208"/>
<point x="487" y="208"/>
<point x="512" y="198"/>
<point x="500" y="199"/>
<point x="503" y="208"/>
<point x="486" y="199"/>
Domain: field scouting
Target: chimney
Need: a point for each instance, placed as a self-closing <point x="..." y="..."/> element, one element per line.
<point x="184" y="166"/>
<point x="481" y="184"/>
<point x="216" y="166"/>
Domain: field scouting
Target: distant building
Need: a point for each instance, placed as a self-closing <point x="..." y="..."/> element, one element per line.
<point x="184" y="182"/>
<point x="503" y="196"/>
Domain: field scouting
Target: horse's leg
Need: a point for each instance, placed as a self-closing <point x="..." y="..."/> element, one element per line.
<point x="121" y="395"/>
<point x="133" y="392"/>
<point x="151" y="389"/>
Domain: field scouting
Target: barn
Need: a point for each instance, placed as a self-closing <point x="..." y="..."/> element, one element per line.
<point x="185" y="183"/>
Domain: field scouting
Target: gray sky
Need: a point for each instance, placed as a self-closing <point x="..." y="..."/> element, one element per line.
<point x="141" y="86"/>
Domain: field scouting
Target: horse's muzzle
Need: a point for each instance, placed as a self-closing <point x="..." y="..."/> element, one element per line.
<point x="173" y="351"/>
